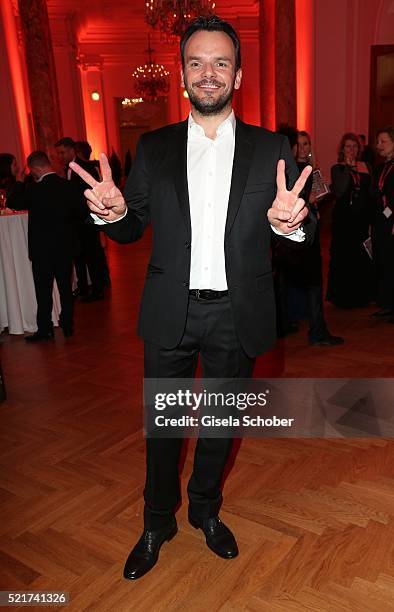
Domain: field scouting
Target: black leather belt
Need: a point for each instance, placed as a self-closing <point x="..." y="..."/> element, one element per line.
<point x="207" y="294"/>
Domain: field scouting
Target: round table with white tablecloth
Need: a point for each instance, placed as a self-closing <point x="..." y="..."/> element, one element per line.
<point x="18" y="304"/>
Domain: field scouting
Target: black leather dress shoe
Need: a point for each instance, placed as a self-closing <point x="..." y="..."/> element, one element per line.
<point x="218" y="537"/>
<point x="67" y="329"/>
<point x="327" y="340"/>
<point x="146" y="552"/>
<point x="40" y="337"/>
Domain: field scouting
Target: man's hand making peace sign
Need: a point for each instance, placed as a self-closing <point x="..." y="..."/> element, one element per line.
<point x="104" y="199"/>
<point x="288" y="210"/>
<point x="107" y="202"/>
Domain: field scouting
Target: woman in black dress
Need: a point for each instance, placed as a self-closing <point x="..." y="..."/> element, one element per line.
<point x="383" y="223"/>
<point x="350" y="267"/>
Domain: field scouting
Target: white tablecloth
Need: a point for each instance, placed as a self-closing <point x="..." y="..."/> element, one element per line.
<point x="18" y="304"/>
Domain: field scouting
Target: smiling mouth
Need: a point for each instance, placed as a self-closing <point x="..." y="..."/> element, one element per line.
<point x="208" y="86"/>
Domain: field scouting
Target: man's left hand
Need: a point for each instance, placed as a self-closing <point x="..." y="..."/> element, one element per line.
<point x="288" y="210"/>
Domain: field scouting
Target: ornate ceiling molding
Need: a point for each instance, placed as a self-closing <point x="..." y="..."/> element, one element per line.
<point x="106" y="22"/>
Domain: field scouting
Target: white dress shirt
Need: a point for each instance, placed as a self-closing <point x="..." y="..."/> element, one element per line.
<point x="209" y="169"/>
<point x="69" y="170"/>
<point x="42" y="176"/>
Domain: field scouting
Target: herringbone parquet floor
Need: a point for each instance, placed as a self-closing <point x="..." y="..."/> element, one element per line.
<point x="314" y="518"/>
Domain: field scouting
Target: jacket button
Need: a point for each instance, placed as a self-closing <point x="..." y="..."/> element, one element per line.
<point x="187" y="245"/>
<point x="185" y="284"/>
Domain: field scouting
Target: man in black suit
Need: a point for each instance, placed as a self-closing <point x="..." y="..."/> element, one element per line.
<point x="212" y="187"/>
<point x="92" y="256"/>
<point x="55" y="208"/>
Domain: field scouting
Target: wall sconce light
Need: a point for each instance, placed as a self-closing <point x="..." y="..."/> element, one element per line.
<point x="95" y="96"/>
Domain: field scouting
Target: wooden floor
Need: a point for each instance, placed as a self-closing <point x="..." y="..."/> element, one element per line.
<point x="314" y="518"/>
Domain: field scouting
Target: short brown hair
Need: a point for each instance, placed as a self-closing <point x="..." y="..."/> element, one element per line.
<point x="212" y="23"/>
<point x="38" y="158"/>
<point x="67" y="142"/>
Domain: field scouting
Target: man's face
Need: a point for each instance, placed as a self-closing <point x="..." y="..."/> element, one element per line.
<point x="36" y="172"/>
<point x="65" y="154"/>
<point x="384" y="145"/>
<point x="14" y="167"/>
<point x="209" y="74"/>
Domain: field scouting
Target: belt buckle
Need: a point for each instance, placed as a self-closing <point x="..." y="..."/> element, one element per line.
<point x="198" y="294"/>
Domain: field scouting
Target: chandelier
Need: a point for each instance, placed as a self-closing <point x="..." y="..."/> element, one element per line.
<point x="173" y="16"/>
<point x="131" y="101"/>
<point x="151" y="79"/>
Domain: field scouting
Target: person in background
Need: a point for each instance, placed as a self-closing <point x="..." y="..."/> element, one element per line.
<point x="84" y="151"/>
<point x="383" y="223"/>
<point x="305" y="153"/>
<point x="306" y="156"/>
<point x="9" y="171"/>
<point x="288" y="308"/>
<point x="367" y="152"/>
<point x="299" y="277"/>
<point x="350" y="269"/>
<point x="116" y="168"/>
<point x="128" y="162"/>
<point x="55" y="208"/>
<point x="92" y="255"/>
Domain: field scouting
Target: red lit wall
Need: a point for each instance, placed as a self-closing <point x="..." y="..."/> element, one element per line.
<point x="333" y="41"/>
<point x="343" y="35"/>
<point x="267" y="64"/>
<point x="304" y="64"/>
<point x="16" y="129"/>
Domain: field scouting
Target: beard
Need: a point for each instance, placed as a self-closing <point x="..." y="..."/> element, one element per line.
<point x="210" y="104"/>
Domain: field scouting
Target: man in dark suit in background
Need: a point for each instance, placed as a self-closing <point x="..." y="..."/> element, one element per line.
<point x="213" y="187"/>
<point x="92" y="256"/>
<point x="55" y="208"/>
<point x="83" y="150"/>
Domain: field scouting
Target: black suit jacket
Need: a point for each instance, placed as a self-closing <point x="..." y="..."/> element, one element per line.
<point x="89" y="166"/>
<point x="79" y="183"/>
<point x="156" y="191"/>
<point x="55" y="208"/>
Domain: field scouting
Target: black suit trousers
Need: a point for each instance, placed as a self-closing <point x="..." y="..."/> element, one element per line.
<point x="209" y="334"/>
<point x="45" y="270"/>
<point x="92" y="257"/>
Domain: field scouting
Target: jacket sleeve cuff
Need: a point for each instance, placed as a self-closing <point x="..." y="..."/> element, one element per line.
<point x="297" y="236"/>
<point x="99" y="221"/>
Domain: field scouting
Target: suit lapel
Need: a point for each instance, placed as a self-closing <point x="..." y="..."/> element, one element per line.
<point x="180" y="172"/>
<point x="244" y="147"/>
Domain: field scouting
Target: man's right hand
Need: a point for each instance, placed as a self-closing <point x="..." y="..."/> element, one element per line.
<point x="104" y="199"/>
